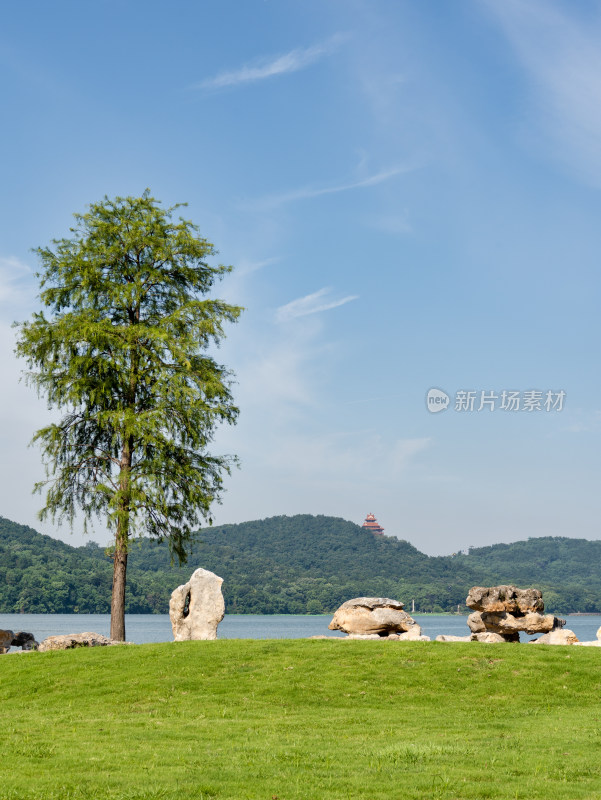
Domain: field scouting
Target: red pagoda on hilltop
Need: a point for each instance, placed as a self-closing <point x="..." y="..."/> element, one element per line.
<point x="371" y="524"/>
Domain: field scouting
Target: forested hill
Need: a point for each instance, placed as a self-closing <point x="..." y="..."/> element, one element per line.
<point x="294" y="564"/>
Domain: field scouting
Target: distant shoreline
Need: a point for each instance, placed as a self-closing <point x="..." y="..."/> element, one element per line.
<point x="582" y="614"/>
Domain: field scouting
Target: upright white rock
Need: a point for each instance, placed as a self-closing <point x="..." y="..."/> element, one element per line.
<point x="196" y="608"/>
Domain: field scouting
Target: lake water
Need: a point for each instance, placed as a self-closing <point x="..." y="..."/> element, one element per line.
<point x="143" y="628"/>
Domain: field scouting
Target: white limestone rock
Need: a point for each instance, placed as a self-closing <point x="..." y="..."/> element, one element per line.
<point x="488" y="638"/>
<point x="475" y="622"/>
<point x="505" y="598"/>
<point x="414" y="634"/>
<point x="559" y="636"/>
<point x="505" y="623"/>
<point x="365" y="615"/>
<point x="196" y="608"/>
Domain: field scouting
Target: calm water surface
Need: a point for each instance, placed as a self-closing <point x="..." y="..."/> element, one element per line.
<point x="142" y="628"/>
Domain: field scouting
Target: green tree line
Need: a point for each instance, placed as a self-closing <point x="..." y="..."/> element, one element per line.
<point x="291" y="565"/>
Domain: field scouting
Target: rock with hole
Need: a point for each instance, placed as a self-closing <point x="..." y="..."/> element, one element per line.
<point x="197" y="607"/>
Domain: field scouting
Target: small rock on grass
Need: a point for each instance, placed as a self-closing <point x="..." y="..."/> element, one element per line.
<point x="70" y="641"/>
<point x="560" y="636"/>
<point x="443" y="637"/>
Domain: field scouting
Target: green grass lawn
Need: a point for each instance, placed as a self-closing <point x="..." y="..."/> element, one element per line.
<point x="304" y="719"/>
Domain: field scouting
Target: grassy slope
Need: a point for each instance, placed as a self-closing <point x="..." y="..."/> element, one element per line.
<point x="302" y="719"/>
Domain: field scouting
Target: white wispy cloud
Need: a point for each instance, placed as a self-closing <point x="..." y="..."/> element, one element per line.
<point x="22" y="413"/>
<point x="247" y="266"/>
<point x="311" y="304"/>
<point x="292" y="61"/>
<point x="13" y="275"/>
<point x="584" y="422"/>
<point x="308" y="192"/>
<point x="347" y="458"/>
<point x="396" y="224"/>
<point x="561" y="54"/>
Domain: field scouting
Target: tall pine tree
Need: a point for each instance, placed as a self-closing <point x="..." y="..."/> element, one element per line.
<point x="124" y="351"/>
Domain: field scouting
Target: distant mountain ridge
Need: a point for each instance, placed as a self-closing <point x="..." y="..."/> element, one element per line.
<point x="299" y="564"/>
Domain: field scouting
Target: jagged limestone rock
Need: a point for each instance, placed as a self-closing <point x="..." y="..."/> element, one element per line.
<point x="475" y="623"/>
<point x="196" y="608"/>
<point x="505" y="611"/>
<point x="504" y="623"/>
<point x="505" y="598"/>
<point x="369" y="615"/>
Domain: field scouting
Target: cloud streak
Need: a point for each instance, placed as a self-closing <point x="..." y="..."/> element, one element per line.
<point x="309" y="192"/>
<point x="345" y="458"/>
<point x="567" y="85"/>
<point x="14" y="275"/>
<point x="311" y="304"/>
<point x="292" y="61"/>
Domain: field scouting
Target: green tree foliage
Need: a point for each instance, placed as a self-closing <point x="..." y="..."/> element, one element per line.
<point x="292" y="565"/>
<point x="124" y="353"/>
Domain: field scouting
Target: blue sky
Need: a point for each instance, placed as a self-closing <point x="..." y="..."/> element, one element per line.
<point x="410" y="195"/>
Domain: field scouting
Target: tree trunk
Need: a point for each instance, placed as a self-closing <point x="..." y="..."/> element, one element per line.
<point x="118" y="595"/>
<point x="121" y="545"/>
<point x="122" y="533"/>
